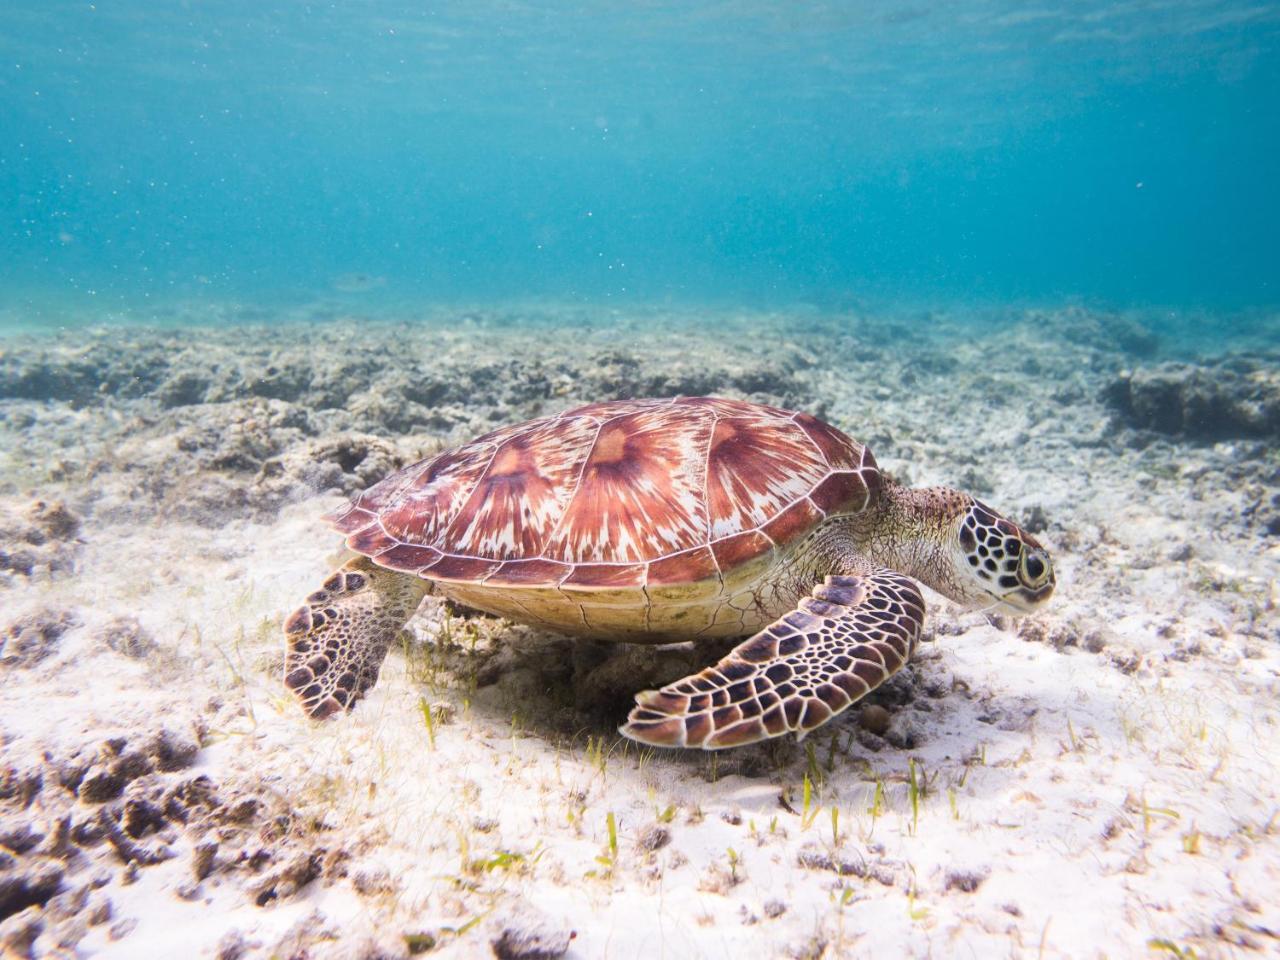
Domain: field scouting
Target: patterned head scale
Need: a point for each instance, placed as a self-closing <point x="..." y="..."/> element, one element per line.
<point x="1006" y="563"/>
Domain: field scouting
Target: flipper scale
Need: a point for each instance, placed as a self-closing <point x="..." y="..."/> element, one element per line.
<point x="850" y="635"/>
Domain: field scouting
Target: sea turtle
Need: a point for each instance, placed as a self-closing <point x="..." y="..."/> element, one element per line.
<point x="654" y="521"/>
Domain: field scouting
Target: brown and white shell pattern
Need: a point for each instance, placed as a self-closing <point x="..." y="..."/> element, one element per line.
<point x="623" y="496"/>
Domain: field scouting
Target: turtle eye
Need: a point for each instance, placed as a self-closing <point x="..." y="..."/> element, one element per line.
<point x="1035" y="569"/>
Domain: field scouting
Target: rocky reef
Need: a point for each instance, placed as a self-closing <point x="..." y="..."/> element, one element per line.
<point x="1224" y="400"/>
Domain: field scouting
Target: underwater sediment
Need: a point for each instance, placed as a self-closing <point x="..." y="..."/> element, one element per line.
<point x="160" y="513"/>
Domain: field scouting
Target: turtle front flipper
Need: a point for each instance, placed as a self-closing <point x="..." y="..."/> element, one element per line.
<point x="338" y="639"/>
<point x="838" y="645"/>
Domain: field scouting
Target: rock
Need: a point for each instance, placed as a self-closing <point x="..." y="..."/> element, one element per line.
<point x="774" y="909"/>
<point x="1095" y="641"/>
<point x="100" y="784"/>
<point x="18" y="933"/>
<point x="99" y="909"/>
<point x="1033" y="630"/>
<point x="1263" y="512"/>
<point x="232" y="946"/>
<point x="903" y="732"/>
<point x="654" y="838"/>
<point x="29" y="886"/>
<point x="20" y="786"/>
<point x="140" y="816"/>
<point x="122" y="928"/>
<point x="348" y="463"/>
<point x="812" y="857"/>
<point x="34" y="637"/>
<point x="57" y="843"/>
<point x="172" y="750"/>
<point x="372" y="880"/>
<point x="130" y="852"/>
<point x="67" y="903"/>
<point x="41" y="539"/>
<point x="203" y="858"/>
<point x="19" y="836"/>
<point x="127" y="637"/>
<point x="1106" y="331"/>
<point x="1209" y="403"/>
<point x="531" y="938"/>
<point x="54" y="519"/>
<point x="874" y="719"/>
<point x="966" y="881"/>
<point x="298" y="869"/>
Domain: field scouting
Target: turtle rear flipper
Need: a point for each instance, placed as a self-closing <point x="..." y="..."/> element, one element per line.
<point x="338" y="639"/>
<point x="838" y="645"/>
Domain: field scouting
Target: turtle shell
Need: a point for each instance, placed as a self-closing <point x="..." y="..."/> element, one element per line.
<point x="614" y="496"/>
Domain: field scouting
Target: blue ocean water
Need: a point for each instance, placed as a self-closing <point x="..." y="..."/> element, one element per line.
<point x="1121" y="153"/>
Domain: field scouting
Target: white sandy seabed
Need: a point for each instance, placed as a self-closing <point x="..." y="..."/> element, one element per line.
<point x="1100" y="780"/>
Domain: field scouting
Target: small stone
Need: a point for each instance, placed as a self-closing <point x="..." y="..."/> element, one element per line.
<point x="202" y="859"/>
<point x="173" y="750"/>
<point x="99" y="909"/>
<point x="31" y="887"/>
<point x="773" y="909"/>
<point x="532" y="938"/>
<point x="58" y="841"/>
<point x="1064" y="635"/>
<point x="903" y="733"/>
<point x="232" y="946"/>
<point x="139" y="816"/>
<point x="936" y="690"/>
<point x="20" y="837"/>
<point x="20" y="786"/>
<point x="57" y="521"/>
<point x="122" y="928"/>
<point x="67" y="903"/>
<point x="419" y="942"/>
<point x="288" y="878"/>
<point x="1033" y="630"/>
<point x="30" y="639"/>
<point x="1094" y="641"/>
<point x="966" y="881"/>
<point x="242" y="810"/>
<point x="127" y="637"/>
<point x="874" y="719"/>
<point x="868" y="740"/>
<point x="18" y="933"/>
<point x="372" y="880"/>
<point x="133" y="764"/>
<point x="655" y="837"/>
<point x="187" y="890"/>
<point x="100" y="784"/>
<point x="70" y="932"/>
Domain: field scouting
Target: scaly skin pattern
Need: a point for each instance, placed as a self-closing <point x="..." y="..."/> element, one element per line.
<point x="338" y="639"/>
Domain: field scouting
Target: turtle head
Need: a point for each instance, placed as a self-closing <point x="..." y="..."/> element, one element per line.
<point x="998" y="563"/>
<point x="960" y="547"/>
